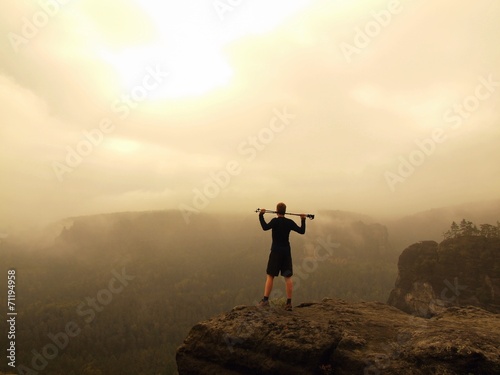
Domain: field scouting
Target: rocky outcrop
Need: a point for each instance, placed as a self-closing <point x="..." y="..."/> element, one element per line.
<point x="336" y="337"/>
<point x="457" y="272"/>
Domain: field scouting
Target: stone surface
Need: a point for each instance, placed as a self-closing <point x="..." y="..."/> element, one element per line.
<point x="336" y="337"/>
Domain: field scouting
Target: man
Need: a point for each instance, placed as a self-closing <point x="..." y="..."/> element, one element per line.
<point x="280" y="258"/>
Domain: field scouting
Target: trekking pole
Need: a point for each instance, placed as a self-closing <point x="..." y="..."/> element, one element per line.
<point x="309" y="216"/>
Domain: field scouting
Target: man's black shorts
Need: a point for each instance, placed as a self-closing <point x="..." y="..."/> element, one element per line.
<point x="280" y="261"/>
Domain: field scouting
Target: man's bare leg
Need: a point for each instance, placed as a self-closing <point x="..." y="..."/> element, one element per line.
<point x="289" y="287"/>
<point x="267" y="291"/>
<point x="269" y="286"/>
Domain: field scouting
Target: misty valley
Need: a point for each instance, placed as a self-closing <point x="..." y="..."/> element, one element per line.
<point x="117" y="293"/>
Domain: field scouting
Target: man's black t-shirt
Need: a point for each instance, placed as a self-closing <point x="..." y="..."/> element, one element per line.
<point x="281" y="227"/>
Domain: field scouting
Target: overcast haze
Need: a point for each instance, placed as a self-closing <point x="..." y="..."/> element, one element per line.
<point x="378" y="107"/>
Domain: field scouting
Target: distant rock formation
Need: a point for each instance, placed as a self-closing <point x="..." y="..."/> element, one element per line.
<point x="336" y="337"/>
<point x="457" y="272"/>
<point x="359" y="235"/>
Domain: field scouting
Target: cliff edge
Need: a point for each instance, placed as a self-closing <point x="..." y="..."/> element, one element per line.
<point x="336" y="337"/>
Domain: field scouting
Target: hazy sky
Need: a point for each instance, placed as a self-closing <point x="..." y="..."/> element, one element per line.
<point x="370" y="106"/>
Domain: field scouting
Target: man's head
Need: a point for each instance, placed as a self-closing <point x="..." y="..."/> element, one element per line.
<point x="281" y="208"/>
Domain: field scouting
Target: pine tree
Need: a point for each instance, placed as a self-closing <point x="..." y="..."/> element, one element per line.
<point x="453" y="232"/>
<point x="467" y="228"/>
<point x="489" y="231"/>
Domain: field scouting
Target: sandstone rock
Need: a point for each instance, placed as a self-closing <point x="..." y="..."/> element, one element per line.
<point x="336" y="337"/>
<point x="457" y="272"/>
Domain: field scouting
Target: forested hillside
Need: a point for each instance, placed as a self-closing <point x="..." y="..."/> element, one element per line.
<point x="117" y="293"/>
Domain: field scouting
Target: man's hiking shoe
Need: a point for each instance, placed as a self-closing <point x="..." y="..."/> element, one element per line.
<point x="288" y="307"/>
<point x="263" y="303"/>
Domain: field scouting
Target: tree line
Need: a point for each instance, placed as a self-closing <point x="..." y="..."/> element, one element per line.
<point x="468" y="228"/>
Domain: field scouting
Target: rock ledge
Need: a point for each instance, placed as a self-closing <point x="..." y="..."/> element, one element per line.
<point x="336" y="337"/>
